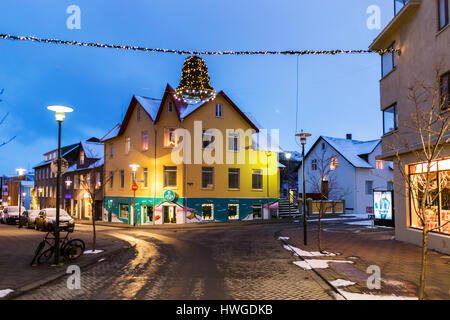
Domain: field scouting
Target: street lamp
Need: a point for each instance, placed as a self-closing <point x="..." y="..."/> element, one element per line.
<point x="288" y="157"/>
<point x="20" y="173"/>
<point x="60" y="112"/>
<point x="134" y="168"/>
<point x="303" y="137"/>
<point x="268" y="153"/>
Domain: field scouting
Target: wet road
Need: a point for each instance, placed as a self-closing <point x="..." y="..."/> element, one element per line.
<point x="230" y="262"/>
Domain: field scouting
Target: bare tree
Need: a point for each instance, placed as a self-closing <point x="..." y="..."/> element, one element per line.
<point x="92" y="184"/>
<point x="426" y="131"/>
<point x="323" y="182"/>
<point x="2" y="119"/>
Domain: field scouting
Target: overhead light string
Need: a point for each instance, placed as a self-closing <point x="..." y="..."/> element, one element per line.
<point x="188" y="52"/>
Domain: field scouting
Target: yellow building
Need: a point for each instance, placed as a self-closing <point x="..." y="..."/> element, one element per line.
<point x="192" y="162"/>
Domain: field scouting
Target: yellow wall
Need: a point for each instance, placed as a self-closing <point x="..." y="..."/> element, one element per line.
<point x="231" y="120"/>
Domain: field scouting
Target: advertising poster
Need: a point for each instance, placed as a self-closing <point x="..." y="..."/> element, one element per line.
<point x="382" y="205"/>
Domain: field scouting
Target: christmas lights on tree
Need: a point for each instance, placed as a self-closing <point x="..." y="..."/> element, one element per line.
<point x="194" y="84"/>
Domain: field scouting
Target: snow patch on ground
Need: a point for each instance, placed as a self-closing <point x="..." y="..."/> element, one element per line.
<point x="92" y="251"/>
<point x="303" y="253"/>
<point x="283" y="238"/>
<point x="102" y="259"/>
<point x="364" y="296"/>
<point x="317" y="264"/>
<point x="5" y="292"/>
<point x="341" y="283"/>
<point x="361" y="223"/>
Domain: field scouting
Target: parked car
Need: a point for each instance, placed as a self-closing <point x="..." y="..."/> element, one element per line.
<point x="29" y="218"/>
<point x="46" y="220"/>
<point x="11" y="214"/>
<point x="1" y="216"/>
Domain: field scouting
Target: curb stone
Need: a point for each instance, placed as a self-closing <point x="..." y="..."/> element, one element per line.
<point x="58" y="275"/>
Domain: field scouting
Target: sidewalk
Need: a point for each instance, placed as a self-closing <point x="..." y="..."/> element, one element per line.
<point x="357" y="247"/>
<point x="17" y="248"/>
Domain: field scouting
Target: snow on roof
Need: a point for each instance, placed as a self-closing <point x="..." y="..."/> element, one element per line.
<point x="191" y="107"/>
<point x="151" y="105"/>
<point x="111" y="133"/>
<point x="93" y="150"/>
<point x="352" y="149"/>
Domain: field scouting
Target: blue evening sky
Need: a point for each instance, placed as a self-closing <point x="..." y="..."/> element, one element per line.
<point x="338" y="94"/>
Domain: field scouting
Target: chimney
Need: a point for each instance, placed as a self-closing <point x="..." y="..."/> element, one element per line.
<point x="349" y="136"/>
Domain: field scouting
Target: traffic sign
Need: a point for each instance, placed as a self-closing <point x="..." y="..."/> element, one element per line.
<point x="64" y="166"/>
<point x="134" y="187"/>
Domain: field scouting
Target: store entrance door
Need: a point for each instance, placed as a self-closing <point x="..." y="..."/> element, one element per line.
<point x="169" y="214"/>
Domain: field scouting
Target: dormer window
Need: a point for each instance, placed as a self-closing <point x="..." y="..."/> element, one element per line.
<point x="81" y="156"/>
<point x="170" y="107"/>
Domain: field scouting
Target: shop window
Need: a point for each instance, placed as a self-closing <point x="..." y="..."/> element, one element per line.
<point x="388" y="61"/>
<point x="333" y="163"/>
<point x="437" y="205"/>
<point x="147" y="211"/>
<point x="123" y="210"/>
<point x="169" y="138"/>
<point x="390" y="119"/>
<point x="257" y="179"/>
<point x="233" y="211"/>
<point x="257" y="211"/>
<point x="170" y="176"/>
<point x="208" y="211"/>
<point x="233" y="178"/>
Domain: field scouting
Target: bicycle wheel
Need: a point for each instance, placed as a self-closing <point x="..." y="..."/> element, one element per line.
<point x="72" y="251"/>
<point x="77" y="242"/>
<point x="38" y="251"/>
<point x="45" y="256"/>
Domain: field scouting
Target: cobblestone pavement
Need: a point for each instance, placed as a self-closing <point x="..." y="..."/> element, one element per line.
<point x="242" y="262"/>
<point x="365" y="246"/>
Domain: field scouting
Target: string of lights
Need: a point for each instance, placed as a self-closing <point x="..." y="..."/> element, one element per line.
<point x="188" y="52"/>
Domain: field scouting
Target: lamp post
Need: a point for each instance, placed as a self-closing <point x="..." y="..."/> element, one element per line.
<point x="134" y="168"/>
<point x="59" y="115"/>
<point x="20" y="173"/>
<point x="303" y="137"/>
<point x="268" y="153"/>
<point x="288" y="157"/>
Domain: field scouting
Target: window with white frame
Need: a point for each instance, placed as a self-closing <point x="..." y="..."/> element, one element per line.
<point x="144" y="143"/>
<point x="380" y="164"/>
<point x="257" y="179"/>
<point x="369" y="187"/>
<point x="233" y="211"/>
<point x="127" y="145"/>
<point x="208" y="139"/>
<point x="207" y="177"/>
<point x="219" y="110"/>
<point x="388" y="61"/>
<point x="233" y="142"/>
<point x="122" y="179"/>
<point x="145" y="178"/>
<point x="170" y="176"/>
<point x="314" y="164"/>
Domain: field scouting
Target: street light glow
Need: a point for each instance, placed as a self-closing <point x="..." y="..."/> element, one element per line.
<point x="60" y="112"/>
<point x="20" y="172"/>
<point x="134" y="167"/>
<point x="288" y="155"/>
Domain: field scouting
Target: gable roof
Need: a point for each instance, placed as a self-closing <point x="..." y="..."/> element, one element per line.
<point x="351" y="150"/>
<point x="154" y="107"/>
<point x="93" y="150"/>
<point x="64" y="151"/>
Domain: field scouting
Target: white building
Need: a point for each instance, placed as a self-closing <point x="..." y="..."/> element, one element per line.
<point x="350" y="169"/>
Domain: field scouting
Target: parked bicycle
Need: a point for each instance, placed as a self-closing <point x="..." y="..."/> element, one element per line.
<point x="70" y="249"/>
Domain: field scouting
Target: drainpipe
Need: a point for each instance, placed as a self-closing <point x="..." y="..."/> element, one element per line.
<point x="184" y="180"/>
<point x="154" y="174"/>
